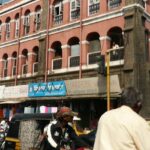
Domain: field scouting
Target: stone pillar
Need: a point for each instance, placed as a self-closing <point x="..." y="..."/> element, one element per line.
<point x="22" y="60"/>
<point x="42" y="55"/>
<point x="135" y="71"/>
<point x="31" y="60"/>
<point x="85" y="50"/>
<point x="12" y="30"/>
<point x="51" y="54"/>
<point x="65" y="55"/>
<point x="9" y="71"/>
<point x="1" y="68"/>
<point x="103" y="8"/>
<point x="22" y="26"/>
<point x="66" y="16"/>
<point x="105" y="44"/>
<point x="32" y="24"/>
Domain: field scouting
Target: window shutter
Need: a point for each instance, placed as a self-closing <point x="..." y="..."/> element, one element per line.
<point x="38" y="17"/>
<point x="73" y="5"/>
<point x="25" y="21"/>
<point x="28" y="20"/>
<point x="61" y="8"/>
<point x="77" y="4"/>
<point x="17" y="24"/>
<point x="7" y="27"/>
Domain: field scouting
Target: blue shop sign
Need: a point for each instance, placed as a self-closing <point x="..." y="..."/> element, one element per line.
<point x="56" y="88"/>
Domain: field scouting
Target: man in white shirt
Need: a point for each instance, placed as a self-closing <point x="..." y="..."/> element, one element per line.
<point x="123" y="128"/>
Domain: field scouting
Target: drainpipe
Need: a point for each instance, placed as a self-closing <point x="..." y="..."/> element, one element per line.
<point x="80" y="67"/>
<point x="17" y="65"/>
<point x="47" y="41"/>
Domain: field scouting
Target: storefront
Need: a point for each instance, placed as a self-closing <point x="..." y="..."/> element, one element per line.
<point x="86" y="96"/>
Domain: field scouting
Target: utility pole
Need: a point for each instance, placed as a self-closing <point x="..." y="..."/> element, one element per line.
<point x="108" y="79"/>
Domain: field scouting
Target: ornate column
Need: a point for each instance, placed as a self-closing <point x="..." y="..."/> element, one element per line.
<point x="85" y="49"/>
<point x="9" y="71"/>
<point x="65" y="55"/>
<point x="105" y="44"/>
<point x="22" y="60"/>
<point x="51" y="54"/>
<point x="31" y="60"/>
<point x="1" y="68"/>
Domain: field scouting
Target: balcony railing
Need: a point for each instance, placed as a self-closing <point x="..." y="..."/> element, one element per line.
<point x="5" y="71"/>
<point x="117" y="54"/>
<point x="92" y="57"/>
<point x="94" y="8"/>
<point x="24" y="69"/>
<point x="58" y="19"/>
<point x="75" y="14"/>
<point x="35" y="67"/>
<point x="57" y="63"/>
<point x="74" y="61"/>
<point x="14" y="70"/>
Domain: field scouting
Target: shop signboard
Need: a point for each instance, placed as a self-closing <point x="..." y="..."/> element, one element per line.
<point x="56" y="88"/>
<point x="19" y="91"/>
<point x="2" y="87"/>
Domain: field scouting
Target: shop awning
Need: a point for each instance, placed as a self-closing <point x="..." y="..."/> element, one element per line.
<point x="11" y="102"/>
<point x="93" y="87"/>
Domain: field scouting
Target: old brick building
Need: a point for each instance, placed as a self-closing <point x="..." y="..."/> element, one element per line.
<point x="59" y="40"/>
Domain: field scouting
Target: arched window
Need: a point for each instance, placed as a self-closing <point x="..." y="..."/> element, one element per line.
<point x="74" y="52"/>
<point x="25" y="62"/>
<point x="17" y="26"/>
<point x="14" y="63"/>
<point x="36" y="59"/>
<point x="7" y="28"/>
<point x="58" y="12"/>
<point x="37" y="19"/>
<point x="5" y="65"/>
<point x="26" y="22"/>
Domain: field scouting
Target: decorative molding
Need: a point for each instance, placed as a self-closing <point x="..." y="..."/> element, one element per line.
<point x="65" y="46"/>
<point x="51" y="50"/>
<point x="31" y="53"/>
<point x="21" y="56"/>
<point x="85" y="42"/>
<point x="105" y="38"/>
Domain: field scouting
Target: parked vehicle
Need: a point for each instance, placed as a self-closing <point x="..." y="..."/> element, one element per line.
<point x="25" y="130"/>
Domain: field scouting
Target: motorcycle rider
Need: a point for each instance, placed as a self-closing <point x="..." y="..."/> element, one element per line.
<point x="60" y="135"/>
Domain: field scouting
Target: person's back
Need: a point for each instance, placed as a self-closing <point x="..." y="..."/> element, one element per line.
<point x="122" y="129"/>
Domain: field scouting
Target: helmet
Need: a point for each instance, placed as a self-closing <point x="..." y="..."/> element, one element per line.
<point x="65" y="111"/>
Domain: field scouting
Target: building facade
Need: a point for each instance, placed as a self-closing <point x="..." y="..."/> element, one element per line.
<point x="43" y="41"/>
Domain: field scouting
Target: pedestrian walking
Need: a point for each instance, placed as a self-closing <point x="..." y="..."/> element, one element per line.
<point x="123" y="128"/>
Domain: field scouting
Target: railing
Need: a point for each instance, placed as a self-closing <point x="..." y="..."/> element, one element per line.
<point x="24" y="69"/>
<point x="94" y="8"/>
<point x="58" y="19"/>
<point x="17" y="33"/>
<point x="75" y="14"/>
<point x="38" y="25"/>
<point x="7" y="35"/>
<point x="14" y="70"/>
<point x="57" y="63"/>
<point x="5" y="71"/>
<point x="116" y="54"/>
<point x="74" y="61"/>
<point x="35" y="67"/>
<point x="92" y="57"/>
